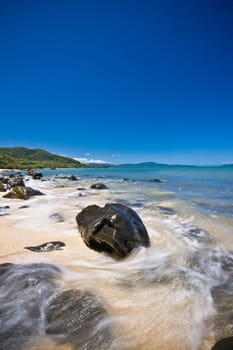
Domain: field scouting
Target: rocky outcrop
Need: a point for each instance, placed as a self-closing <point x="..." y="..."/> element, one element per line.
<point x="99" y="186"/>
<point x="20" y="192"/>
<point x="115" y="229"/>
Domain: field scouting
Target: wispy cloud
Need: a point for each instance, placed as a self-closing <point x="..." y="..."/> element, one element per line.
<point x="90" y="160"/>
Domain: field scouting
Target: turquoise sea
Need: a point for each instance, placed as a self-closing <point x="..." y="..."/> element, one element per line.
<point x="208" y="189"/>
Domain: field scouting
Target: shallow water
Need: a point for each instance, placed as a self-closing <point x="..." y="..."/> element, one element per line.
<point x="177" y="294"/>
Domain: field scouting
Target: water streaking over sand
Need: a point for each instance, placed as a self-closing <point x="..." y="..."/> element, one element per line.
<point x="177" y="294"/>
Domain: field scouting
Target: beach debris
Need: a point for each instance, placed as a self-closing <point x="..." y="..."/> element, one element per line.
<point x="21" y="192"/>
<point x="115" y="229"/>
<point x="99" y="186"/>
<point x="47" y="247"/>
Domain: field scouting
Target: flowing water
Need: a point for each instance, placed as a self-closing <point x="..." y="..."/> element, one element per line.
<point x="177" y="294"/>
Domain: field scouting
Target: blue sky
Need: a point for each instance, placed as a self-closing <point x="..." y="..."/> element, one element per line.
<point x="118" y="80"/>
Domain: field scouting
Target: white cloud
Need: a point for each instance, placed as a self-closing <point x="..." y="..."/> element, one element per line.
<point x="90" y="160"/>
<point x="116" y="155"/>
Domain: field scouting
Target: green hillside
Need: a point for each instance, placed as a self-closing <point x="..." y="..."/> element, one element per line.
<point x="25" y="158"/>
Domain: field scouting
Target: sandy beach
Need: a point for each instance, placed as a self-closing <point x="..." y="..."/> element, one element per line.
<point x="31" y="226"/>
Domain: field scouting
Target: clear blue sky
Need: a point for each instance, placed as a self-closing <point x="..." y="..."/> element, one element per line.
<point x="146" y="80"/>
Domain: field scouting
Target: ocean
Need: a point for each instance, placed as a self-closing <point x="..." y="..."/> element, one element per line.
<point x="176" y="294"/>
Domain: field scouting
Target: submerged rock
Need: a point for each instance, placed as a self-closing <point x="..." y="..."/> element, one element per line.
<point x="166" y="210"/>
<point x="32" y="307"/>
<point x="99" y="186"/>
<point x="24" y="290"/>
<point x="157" y="180"/>
<point x="20" y="192"/>
<point x="47" y="247"/>
<point x="115" y="229"/>
<point x="57" y="217"/>
<point x="77" y="317"/>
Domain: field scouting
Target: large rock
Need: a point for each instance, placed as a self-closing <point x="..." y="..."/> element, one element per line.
<point x="224" y="344"/>
<point x="20" y="192"/>
<point x="115" y="229"/>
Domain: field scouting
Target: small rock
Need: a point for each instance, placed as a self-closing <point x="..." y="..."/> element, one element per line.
<point x="157" y="180"/>
<point x="99" y="186"/>
<point x="47" y="247"/>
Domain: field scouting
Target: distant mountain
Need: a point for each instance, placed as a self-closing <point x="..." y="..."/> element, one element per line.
<point x="144" y="164"/>
<point x="24" y="158"/>
<point x="99" y="165"/>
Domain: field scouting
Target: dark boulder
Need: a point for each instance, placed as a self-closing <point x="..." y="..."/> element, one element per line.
<point x="2" y="187"/>
<point x="73" y="178"/>
<point x="20" y="192"/>
<point x="35" y="175"/>
<point x="16" y="181"/>
<point x="99" y="186"/>
<point x="224" y="344"/>
<point x="78" y="317"/>
<point x="115" y="229"/>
